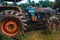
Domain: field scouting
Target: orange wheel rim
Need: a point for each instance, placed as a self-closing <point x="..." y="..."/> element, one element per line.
<point x="10" y="28"/>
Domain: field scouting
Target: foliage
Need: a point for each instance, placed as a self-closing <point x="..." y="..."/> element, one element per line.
<point x="51" y="4"/>
<point x="57" y="4"/>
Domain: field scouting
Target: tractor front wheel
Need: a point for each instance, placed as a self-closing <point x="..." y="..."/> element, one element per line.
<point x="53" y="26"/>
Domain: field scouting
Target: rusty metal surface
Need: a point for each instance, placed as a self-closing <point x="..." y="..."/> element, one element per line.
<point x="3" y="8"/>
<point x="10" y="28"/>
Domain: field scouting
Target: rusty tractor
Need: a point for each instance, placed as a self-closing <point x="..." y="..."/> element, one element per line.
<point x="13" y="21"/>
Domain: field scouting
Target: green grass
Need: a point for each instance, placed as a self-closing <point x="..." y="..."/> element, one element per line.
<point x="38" y="35"/>
<point x="58" y="16"/>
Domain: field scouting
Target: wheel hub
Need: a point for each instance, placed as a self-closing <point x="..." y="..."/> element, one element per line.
<point x="10" y="28"/>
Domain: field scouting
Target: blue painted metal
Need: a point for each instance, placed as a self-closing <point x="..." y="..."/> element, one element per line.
<point x="31" y="10"/>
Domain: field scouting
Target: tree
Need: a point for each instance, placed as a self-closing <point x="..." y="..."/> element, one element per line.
<point x="57" y="4"/>
<point x="51" y="4"/>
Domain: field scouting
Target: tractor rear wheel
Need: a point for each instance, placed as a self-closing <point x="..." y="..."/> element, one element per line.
<point x="12" y="23"/>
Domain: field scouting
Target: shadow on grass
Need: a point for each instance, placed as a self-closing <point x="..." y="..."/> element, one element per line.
<point x="41" y="30"/>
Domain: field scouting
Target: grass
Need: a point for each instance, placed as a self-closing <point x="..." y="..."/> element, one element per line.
<point x="38" y="35"/>
<point x="58" y="16"/>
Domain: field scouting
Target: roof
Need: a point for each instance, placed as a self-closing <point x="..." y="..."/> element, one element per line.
<point x="12" y="0"/>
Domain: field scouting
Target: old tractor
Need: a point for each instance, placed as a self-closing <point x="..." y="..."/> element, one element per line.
<point x="42" y="17"/>
<point x="13" y="21"/>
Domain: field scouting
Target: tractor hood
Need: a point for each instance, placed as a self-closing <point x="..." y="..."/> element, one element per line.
<point x="46" y="10"/>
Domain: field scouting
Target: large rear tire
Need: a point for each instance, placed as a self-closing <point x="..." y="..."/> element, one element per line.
<point x="12" y="23"/>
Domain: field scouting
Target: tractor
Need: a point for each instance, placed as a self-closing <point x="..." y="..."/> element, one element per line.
<point x="14" y="21"/>
<point x="42" y="17"/>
